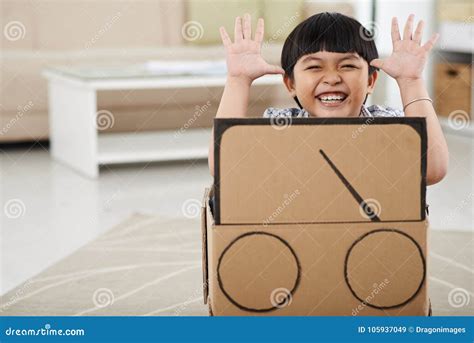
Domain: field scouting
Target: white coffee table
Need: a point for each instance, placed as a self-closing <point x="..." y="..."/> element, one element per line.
<point x="74" y="137"/>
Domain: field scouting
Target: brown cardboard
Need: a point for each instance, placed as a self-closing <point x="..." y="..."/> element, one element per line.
<point x="249" y="263"/>
<point x="339" y="267"/>
<point x="452" y="89"/>
<point x="259" y="166"/>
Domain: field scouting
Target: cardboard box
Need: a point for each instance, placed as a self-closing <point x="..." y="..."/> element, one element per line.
<point x="453" y="87"/>
<point x="317" y="217"/>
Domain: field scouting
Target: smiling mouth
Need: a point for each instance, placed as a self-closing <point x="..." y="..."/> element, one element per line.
<point x="332" y="99"/>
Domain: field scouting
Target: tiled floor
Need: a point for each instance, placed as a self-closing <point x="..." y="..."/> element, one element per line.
<point x="60" y="210"/>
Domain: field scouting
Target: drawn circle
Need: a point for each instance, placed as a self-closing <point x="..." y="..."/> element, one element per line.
<point x="245" y="244"/>
<point x="415" y="267"/>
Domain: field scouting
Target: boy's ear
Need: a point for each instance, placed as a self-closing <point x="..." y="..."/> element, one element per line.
<point x="290" y="85"/>
<point x="371" y="82"/>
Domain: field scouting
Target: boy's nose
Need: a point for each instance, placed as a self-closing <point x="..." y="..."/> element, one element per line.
<point x="331" y="78"/>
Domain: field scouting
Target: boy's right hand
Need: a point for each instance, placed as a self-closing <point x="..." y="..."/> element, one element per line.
<point x="244" y="59"/>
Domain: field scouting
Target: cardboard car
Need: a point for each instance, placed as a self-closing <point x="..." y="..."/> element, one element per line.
<point x="317" y="216"/>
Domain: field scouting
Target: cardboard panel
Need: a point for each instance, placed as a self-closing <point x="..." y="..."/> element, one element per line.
<point x="315" y="170"/>
<point x="319" y="269"/>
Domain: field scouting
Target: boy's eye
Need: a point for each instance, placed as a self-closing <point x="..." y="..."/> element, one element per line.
<point x="350" y="66"/>
<point x="313" y="67"/>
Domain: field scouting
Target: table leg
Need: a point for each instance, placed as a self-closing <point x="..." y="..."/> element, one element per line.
<point x="73" y="130"/>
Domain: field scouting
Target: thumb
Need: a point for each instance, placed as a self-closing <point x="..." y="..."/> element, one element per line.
<point x="272" y="69"/>
<point x="377" y="63"/>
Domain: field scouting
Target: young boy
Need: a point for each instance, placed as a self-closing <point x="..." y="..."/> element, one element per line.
<point x="329" y="66"/>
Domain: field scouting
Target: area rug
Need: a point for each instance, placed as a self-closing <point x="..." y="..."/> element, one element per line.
<point x="149" y="266"/>
<point x="144" y="266"/>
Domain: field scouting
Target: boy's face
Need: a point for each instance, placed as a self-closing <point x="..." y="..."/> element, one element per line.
<point x="331" y="84"/>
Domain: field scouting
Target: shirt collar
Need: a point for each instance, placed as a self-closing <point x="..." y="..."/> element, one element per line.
<point x="364" y="112"/>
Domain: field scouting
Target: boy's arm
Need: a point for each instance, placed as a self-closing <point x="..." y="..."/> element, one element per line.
<point x="233" y="104"/>
<point x="405" y="65"/>
<point x="437" y="151"/>
<point x="244" y="64"/>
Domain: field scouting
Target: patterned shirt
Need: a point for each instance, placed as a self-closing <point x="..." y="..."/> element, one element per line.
<point x="366" y="111"/>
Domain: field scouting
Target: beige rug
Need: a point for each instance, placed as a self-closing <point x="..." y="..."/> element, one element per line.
<point x="144" y="266"/>
<point x="152" y="266"/>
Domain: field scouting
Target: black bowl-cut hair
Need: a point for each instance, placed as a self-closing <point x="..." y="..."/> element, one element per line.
<point x="332" y="32"/>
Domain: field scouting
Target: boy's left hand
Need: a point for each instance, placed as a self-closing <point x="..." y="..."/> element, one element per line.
<point x="408" y="57"/>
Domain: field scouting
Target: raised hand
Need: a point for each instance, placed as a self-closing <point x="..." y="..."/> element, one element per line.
<point x="243" y="56"/>
<point x="408" y="57"/>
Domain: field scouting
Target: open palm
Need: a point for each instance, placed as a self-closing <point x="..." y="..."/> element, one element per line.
<point x="243" y="56"/>
<point x="408" y="57"/>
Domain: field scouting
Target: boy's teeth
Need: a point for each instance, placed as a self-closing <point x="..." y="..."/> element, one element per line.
<point x="326" y="98"/>
<point x="332" y="98"/>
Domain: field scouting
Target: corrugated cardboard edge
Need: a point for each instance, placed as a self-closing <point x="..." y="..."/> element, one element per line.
<point x="429" y="310"/>
<point x="205" y="277"/>
<point x="210" y="309"/>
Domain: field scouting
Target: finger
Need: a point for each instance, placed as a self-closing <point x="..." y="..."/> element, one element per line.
<point x="419" y="32"/>
<point x="260" y="30"/>
<point x="247" y="27"/>
<point x="430" y="44"/>
<point x="225" y="37"/>
<point x="377" y="63"/>
<point x="395" y="31"/>
<point x="238" y="36"/>
<point x="273" y="69"/>
<point x="408" y="27"/>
